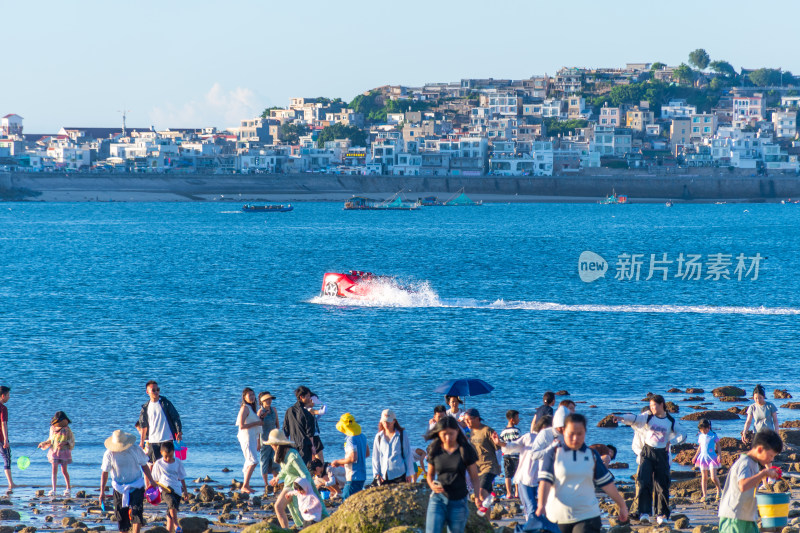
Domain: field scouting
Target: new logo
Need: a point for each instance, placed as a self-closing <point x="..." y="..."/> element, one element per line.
<point x="591" y="266"/>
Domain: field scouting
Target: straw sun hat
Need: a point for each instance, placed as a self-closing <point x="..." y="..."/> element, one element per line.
<point x="119" y="441"/>
<point x="277" y="438"/>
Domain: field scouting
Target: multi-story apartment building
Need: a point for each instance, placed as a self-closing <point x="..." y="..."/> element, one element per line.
<point x="747" y="110"/>
<point x="785" y="123"/>
<point x="703" y="126"/>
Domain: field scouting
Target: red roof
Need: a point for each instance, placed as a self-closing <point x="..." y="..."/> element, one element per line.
<point x="11" y="115"/>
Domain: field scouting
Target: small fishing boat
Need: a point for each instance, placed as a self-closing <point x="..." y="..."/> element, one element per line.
<point x="395" y="203"/>
<point x="431" y="201"/>
<point x="669" y="203"/>
<point x="615" y="199"/>
<point x="275" y="208"/>
<point x="458" y="199"/>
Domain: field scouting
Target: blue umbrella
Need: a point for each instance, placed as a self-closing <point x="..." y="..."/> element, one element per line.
<point x="464" y="387"/>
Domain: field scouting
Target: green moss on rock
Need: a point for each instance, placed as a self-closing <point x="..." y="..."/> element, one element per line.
<point x="382" y="509"/>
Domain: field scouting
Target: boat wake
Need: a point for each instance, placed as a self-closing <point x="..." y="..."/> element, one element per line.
<point x="391" y="293"/>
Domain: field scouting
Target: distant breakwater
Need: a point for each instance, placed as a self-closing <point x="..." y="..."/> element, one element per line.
<point x="700" y="185"/>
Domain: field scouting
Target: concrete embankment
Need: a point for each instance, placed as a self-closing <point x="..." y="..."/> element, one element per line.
<point x="698" y="185"/>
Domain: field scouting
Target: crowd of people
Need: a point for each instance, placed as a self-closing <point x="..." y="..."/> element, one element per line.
<point x="551" y="469"/>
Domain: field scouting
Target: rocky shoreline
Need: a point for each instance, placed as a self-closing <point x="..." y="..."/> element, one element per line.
<point x="215" y="506"/>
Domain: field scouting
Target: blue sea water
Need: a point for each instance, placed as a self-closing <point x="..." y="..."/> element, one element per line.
<point x="96" y="299"/>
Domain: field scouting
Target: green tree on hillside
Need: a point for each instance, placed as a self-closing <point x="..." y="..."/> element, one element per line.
<point x="291" y="133"/>
<point x="768" y="76"/>
<point x="557" y="127"/>
<point x="684" y="74"/>
<point x="356" y="135"/>
<point x="658" y="65"/>
<point x="699" y="58"/>
<point x="723" y="68"/>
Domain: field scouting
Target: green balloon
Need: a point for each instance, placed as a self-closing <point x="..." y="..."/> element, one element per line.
<point x="23" y="463"/>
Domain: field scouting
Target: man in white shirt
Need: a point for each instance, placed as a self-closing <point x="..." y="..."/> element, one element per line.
<point x="125" y="464"/>
<point x="159" y="422"/>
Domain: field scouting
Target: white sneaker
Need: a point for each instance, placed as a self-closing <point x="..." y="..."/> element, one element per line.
<point x="52" y="493"/>
<point x="662" y="520"/>
<point x="644" y="518"/>
<point x="67" y="493"/>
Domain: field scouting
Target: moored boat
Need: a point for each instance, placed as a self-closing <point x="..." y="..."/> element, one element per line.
<point x="395" y="203"/>
<point x="615" y="199"/>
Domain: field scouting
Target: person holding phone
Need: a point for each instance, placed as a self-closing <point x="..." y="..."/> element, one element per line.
<point x="450" y="458"/>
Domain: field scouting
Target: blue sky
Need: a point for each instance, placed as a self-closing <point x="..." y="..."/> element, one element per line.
<point x="200" y="63"/>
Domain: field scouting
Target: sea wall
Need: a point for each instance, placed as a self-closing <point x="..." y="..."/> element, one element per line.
<point x="687" y="185"/>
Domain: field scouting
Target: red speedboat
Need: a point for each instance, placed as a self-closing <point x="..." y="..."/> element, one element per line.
<point x="353" y="284"/>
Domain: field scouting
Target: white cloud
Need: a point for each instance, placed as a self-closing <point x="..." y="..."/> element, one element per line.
<point x="218" y="107"/>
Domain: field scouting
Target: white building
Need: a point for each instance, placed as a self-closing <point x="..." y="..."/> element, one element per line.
<point x="553" y="108"/>
<point x="10" y="125"/>
<point x="407" y="164"/>
<point x="677" y="109"/>
<point x="785" y="123"/>
<point x="542" y="155"/>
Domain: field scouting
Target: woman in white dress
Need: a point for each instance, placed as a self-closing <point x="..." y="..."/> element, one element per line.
<point x="249" y="425"/>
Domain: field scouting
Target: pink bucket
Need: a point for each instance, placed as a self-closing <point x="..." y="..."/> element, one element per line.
<point x="180" y="451"/>
<point x="153" y="495"/>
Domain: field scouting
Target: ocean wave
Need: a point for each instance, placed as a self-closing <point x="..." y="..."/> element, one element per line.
<point x="420" y="294"/>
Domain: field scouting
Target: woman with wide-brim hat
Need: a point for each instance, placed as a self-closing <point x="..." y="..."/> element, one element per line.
<point x="292" y="469"/>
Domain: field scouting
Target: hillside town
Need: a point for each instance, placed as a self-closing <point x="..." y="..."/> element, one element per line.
<point x="643" y="116"/>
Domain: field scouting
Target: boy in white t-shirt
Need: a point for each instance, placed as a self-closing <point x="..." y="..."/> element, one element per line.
<point x="169" y="474"/>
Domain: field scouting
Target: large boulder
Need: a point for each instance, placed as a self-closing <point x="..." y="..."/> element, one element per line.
<point x="266" y="527"/>
<point x="711" y="415"/>
<point x="193" y="524"/>
<point x="9" y="514"/>
<point x="791" y="405"/>
<point x="791" y="424"/>
<point x="607" y="422"/>
<point x="729" y="444"/>
<point x="379" y="509"/>
<point x="790" y="436"/>
<point x="685" y="457"/>
<point x="206" y="494"/>
<point x="781" y="394"/>
<point x="728" y="390"/>
<point x="695" y="390"/>
<point x="672" y="407"/>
